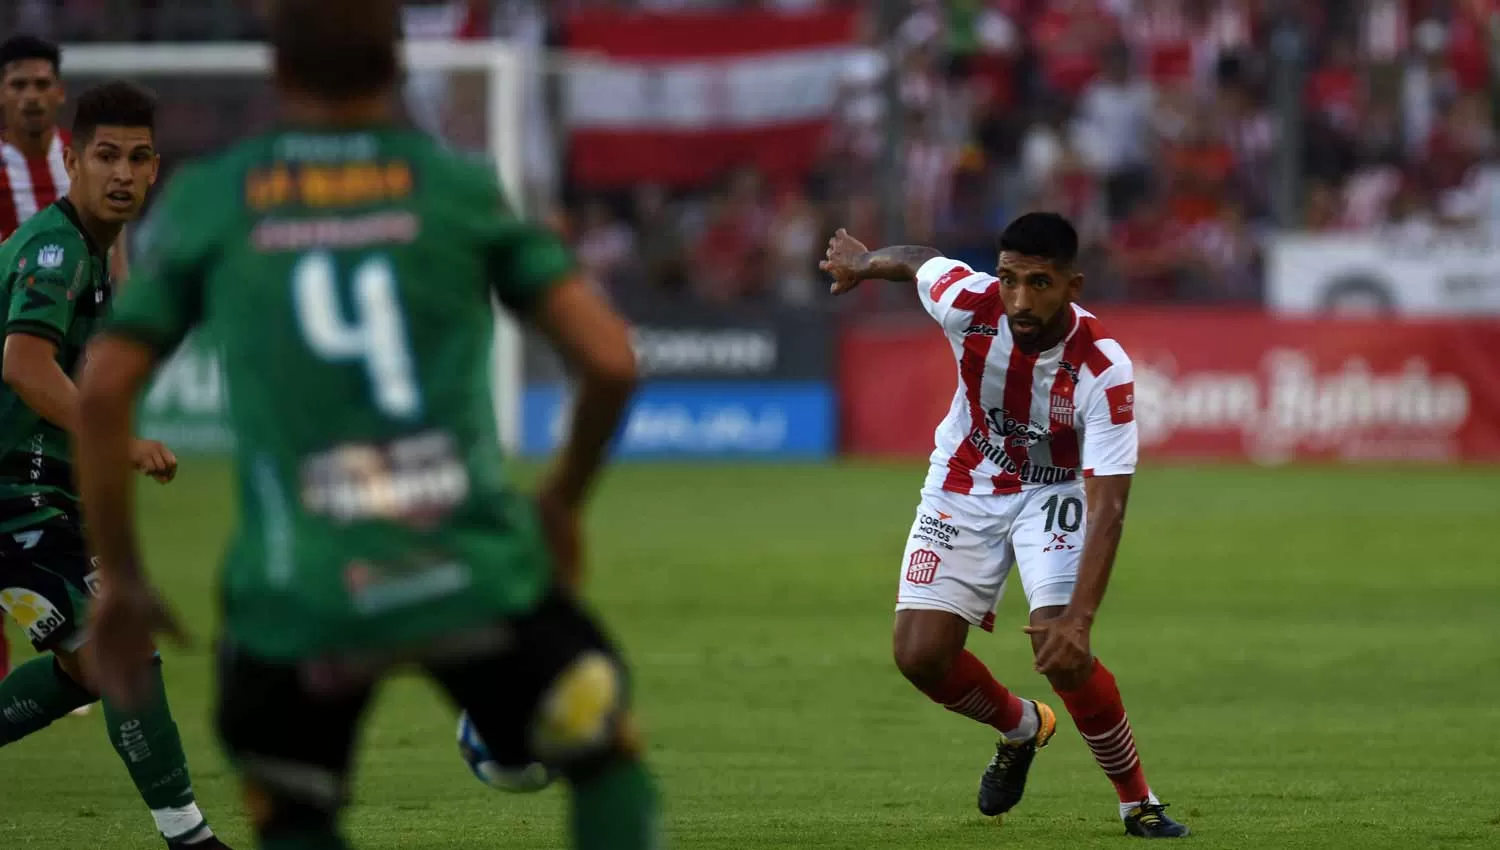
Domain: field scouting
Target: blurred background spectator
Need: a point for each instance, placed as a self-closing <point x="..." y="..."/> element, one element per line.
<point x="1154" y="123"/>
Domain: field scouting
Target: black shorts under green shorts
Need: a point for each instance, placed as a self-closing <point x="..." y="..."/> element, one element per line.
<point x="47" y="580"/>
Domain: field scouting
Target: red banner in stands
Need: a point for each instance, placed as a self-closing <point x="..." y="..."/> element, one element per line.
<point x="682" y="98"/>
<point x="1241" y="386"/>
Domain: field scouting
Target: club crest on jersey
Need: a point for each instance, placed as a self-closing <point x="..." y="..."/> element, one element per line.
<point x="50" y="257"/>
<point x="1062" y="410"/>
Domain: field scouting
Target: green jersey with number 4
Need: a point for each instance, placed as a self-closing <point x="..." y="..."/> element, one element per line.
<point x="346" y="278"/>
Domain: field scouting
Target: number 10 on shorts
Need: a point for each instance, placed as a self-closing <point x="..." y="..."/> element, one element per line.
<point x="1063" y="513"/>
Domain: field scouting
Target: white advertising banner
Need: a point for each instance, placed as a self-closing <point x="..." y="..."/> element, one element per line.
<point x="1452" y="273"/>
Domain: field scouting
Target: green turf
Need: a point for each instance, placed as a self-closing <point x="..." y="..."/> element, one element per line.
<point x="1309" y="657"/>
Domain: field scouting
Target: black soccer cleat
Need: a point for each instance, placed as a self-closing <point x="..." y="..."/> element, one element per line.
<point x="1004" y="781"/>
<point x="1148" y="820"/>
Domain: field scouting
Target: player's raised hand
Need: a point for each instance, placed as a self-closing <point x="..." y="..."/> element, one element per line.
<point x="844" y="260"/>
<point x="154" y="459"/>
<point x="1064" y="644"/>
<point x="120" y="640"/>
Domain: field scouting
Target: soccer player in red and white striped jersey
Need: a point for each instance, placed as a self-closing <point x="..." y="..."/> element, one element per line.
<point x="1032" y="467"/>
<point x="31" y="93"/>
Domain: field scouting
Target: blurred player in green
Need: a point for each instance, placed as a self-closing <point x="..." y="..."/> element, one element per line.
<point x="345" y="265"/>
<point x="55" y="283"/>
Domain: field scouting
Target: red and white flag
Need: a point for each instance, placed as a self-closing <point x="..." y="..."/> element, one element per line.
<point x="680" y="99"/>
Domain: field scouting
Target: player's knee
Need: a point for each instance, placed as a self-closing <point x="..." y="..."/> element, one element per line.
<point x="72" y="665"/>
<point x="582" y="715"/>
<point x="924" y="664"/>
<point x="1072" y="678"/>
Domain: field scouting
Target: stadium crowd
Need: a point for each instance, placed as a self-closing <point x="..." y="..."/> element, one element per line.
<point x="1150" y="122"/>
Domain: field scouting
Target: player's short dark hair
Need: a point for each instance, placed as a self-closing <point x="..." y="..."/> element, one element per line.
<point x="113" y="104"/>
<point x="1045" y="235"/>
<point x="19" y="48"/>
<point x="336" y="48"/>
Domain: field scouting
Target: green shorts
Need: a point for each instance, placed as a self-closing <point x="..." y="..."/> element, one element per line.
<point x="47" y="581"/>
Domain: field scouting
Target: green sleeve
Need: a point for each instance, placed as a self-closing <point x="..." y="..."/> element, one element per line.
<point x="163" y="299"/>
<point x="51" y="270"/>
<point x="524" y="260"/>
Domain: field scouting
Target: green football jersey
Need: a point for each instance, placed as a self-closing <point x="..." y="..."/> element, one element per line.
<point x="56" y="286"/>
<point x="346" y="279"/>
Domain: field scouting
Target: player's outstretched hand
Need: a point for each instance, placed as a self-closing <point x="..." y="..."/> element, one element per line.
<point x="1065" y="644"/>
<point x="844" y="260"/>
<point x="120" y="640"/>
<point x="562" y="528"/>
<point x="154" y="459"/>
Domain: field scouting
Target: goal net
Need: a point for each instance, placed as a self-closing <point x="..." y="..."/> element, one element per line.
<point x="472" y="94"/>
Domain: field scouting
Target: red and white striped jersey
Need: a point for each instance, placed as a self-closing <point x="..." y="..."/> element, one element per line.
<point x="29" y="185"/>
<point x="1022" y="420"/>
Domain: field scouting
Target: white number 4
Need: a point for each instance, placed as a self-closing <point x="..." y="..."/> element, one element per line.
<point x="376" y="334"/>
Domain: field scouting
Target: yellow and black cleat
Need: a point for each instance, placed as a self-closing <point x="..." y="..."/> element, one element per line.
<point x="1004" y="781"/>
<point x="1148" y="820"/>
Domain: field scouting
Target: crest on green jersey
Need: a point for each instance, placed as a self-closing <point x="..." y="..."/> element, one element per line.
<point x="50" y="257"/>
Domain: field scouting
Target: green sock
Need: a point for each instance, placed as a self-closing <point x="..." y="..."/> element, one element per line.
<point x="35" y="694"/>
<point x="147" y="742"/>
<point x="616" y="809"/>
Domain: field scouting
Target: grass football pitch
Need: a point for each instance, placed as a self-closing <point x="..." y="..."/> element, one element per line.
<point x="1310" y="657"/>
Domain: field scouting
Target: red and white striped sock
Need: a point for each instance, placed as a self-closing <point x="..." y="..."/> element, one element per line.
<point x="970" y="690"/>
<point x="1099" y="714"/>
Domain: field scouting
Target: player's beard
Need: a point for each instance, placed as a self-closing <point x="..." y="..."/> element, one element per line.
<point x="1040" y="334"/>
<point x="35" y="123"/>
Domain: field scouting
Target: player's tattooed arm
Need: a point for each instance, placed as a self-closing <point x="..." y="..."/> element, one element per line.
<point x="850" y="262"/>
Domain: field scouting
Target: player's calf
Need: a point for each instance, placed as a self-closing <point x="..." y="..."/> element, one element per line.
<point x="291" y="747"/>
<point x="583" y="728"/>
<point x="929" y="651"/>
<point x="35" y="694"/>
<point x="286" y="816"/>
<point x="1093" y="699"/>
<point x="564" y="702"/>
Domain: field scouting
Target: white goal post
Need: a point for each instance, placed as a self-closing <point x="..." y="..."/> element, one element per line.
<point x="504" y="67"/>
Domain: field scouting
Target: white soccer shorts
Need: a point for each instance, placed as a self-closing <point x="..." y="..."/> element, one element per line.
<point x="961" y="549"/>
